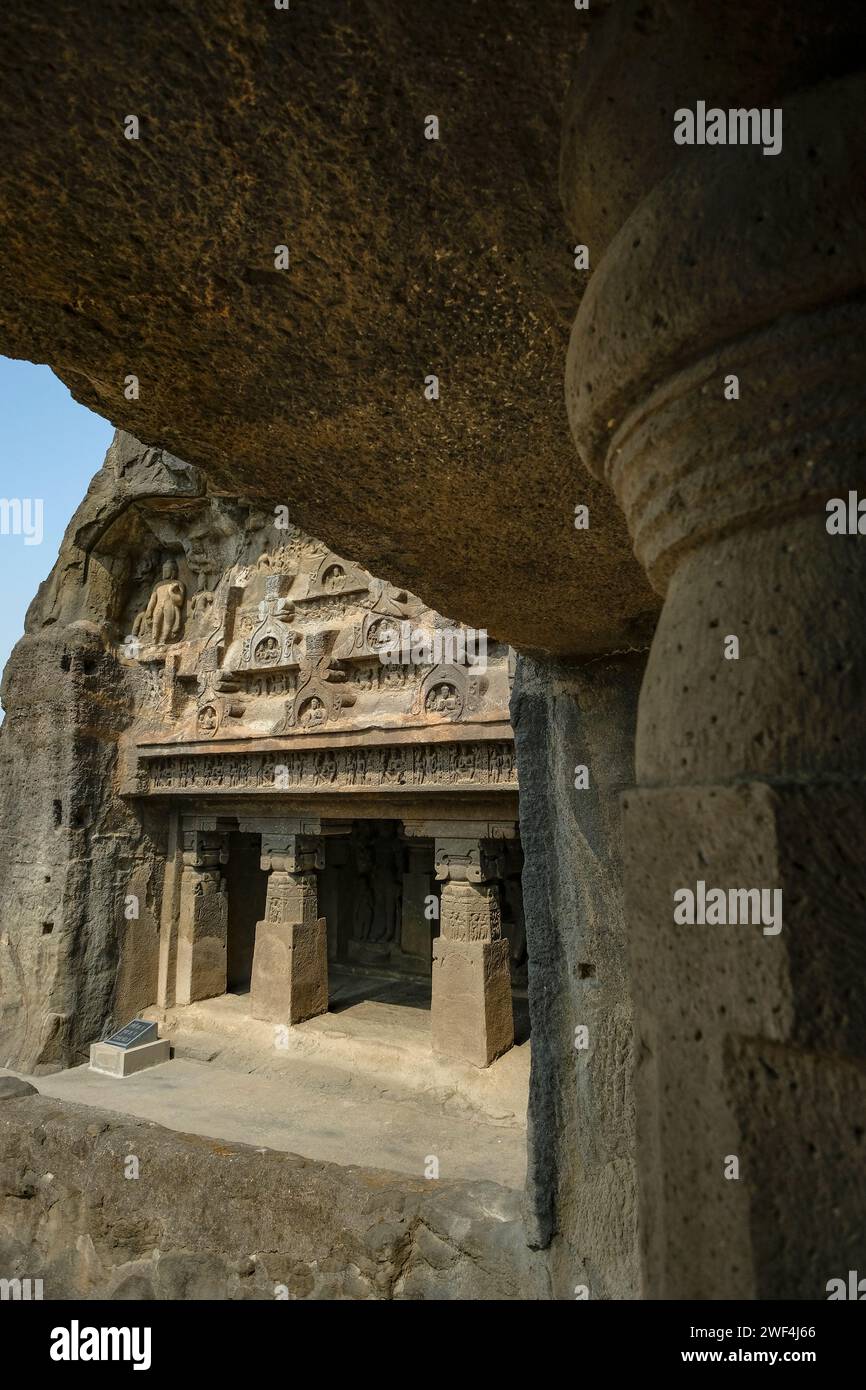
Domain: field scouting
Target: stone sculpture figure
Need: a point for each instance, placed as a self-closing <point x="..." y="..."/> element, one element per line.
<point x="163" y="616"/>
<point x="384" y="598"/>
<point x="362" y="921"/>
<point x="388" y="888"/>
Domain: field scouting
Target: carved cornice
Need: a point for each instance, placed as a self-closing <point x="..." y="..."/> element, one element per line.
<point x="481" y="766"/>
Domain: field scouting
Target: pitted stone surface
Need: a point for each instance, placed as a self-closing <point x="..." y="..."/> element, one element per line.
<point x="408" y="257"/>
<point x="209" y="1219"/>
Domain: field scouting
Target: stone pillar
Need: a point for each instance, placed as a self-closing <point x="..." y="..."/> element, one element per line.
<point x="727" y="412"/>
<point x="415" y="930"/>
<point x="203" y="915"/>
<point x="166" y="984"/>
<point x="471" y="1001"/>
<point x="574" y="729"/>
<point x="290" y="961"/>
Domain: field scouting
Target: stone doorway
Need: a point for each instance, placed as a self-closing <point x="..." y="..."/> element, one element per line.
<point x="247" y="890"/>
<point x="380" y="898"/>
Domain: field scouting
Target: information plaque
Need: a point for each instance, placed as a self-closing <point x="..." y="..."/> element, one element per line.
<point x="138" y="1031"/>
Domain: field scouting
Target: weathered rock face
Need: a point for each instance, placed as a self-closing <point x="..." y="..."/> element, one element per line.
<point x="574" y="730"/>
<point x="73" y="850"/>
<point x="212" y="1220"/>
<point x="617" y="132"/>
<point x="408" y="256"/>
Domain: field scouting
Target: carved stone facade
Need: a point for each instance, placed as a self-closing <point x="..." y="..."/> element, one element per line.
<point x="274" y="710"/>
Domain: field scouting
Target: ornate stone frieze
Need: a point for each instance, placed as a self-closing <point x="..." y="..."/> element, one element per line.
<point x="478" y="765"/>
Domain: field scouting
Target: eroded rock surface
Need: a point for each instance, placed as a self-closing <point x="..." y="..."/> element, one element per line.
<point x="206" y="1219"/>
<point x="408" y="257"/>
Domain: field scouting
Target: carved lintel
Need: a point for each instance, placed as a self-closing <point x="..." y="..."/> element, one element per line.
<point x="280" y="825"/>
<point x="473" y="830"/>
<point x="487" y="765"/>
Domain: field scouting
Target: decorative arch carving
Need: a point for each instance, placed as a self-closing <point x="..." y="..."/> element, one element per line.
<point x="445" y="692"/>
<point x="334" y="576"/>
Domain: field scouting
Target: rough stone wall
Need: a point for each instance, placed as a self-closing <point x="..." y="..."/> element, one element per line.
<point x="74" y="853"/>
<point x="581" y="1194"/>
<point x="211" y="1220"/>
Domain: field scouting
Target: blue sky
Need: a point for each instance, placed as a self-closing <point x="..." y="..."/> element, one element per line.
<point x="50" y="448"/>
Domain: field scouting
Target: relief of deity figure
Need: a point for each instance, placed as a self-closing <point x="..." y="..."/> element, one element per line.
<point x="466" y="762"/>
<point x="312" y="712"/>
<point x="163" y="617"/>
<point x="333" y="579"/>
<point x="362" y="921"/>
<point x="326" y="768"/>
<point x="207" y="719"/>
<point x="202" y="601"/>
<point x="443" y="699"/>
<point x="384" y="598"/>
<point x="395" y="767"/>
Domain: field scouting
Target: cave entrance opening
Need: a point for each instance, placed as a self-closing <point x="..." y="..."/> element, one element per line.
<point x="404" y="930"/>
<point x="247" y="890"/>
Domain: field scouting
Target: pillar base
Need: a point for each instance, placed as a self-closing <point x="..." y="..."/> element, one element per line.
<point x="290" y="971"/>
<point x="751" y="1038"/>
<point x="471" y="1004"/>
<point x="201" y="947"/>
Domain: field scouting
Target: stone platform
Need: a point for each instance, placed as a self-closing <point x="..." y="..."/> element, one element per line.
<point x="377" y="1027"/>
<point x="358" y="1085"/>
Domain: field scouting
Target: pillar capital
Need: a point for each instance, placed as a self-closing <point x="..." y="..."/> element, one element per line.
<point x="728" y="267"/>
<point x="204" y="849"/>
<point x="470" y="912"/>
<point x="465" y="850"/>
<point x="461" y="859"/>
<point x="291" y="853"/>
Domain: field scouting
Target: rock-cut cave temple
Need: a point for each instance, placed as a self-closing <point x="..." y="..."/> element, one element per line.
<point x="221" y="796"/>
<point x="292" y="792"/>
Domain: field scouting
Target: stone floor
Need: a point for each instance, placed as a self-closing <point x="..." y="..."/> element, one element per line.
<point x="356" y="1086"/>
